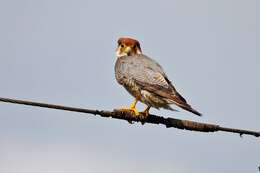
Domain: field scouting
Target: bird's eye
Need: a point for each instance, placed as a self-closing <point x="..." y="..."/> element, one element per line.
<point x="134" y="46"/>
<point x="121" y="45"/>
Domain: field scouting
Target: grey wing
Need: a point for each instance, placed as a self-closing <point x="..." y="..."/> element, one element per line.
<point x="150" y="76"/>
<point x="145" y="72"/>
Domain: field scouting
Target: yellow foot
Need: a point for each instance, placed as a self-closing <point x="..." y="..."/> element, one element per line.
<point x="130" y="110"/>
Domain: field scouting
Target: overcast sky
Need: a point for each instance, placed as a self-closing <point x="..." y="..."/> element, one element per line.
<point x="63" y="52"/>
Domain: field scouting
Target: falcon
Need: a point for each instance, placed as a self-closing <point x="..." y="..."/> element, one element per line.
<point x="145" y="80"/>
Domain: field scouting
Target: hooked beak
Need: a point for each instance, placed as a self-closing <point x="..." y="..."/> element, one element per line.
<point x="128" y="50"/>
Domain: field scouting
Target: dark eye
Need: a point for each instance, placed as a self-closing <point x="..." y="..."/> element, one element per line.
<point x="134" y="46"/>
<point x="121" y="45"/>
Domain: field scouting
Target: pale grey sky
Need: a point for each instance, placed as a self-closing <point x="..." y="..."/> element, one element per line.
<point x="63" y="52"/>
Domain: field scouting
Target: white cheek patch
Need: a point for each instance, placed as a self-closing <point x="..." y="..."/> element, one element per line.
<point x="139" y="52"/>
<point x="120" y="54"/>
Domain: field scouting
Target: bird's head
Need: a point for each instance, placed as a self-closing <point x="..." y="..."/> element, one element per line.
<point x="127" y="47"/>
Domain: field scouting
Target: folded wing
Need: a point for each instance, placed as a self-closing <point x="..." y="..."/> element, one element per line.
<point x="150" y="76"/>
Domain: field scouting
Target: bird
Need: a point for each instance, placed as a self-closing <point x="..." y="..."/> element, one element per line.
<point x="145" y="80"/>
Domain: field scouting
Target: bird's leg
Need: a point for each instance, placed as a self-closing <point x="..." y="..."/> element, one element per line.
<point x="145" y="113"/>
<point x="131" y="109"/>
<point x="132" y="106"/>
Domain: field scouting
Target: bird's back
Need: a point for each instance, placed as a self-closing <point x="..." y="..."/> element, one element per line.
<point x="143" y="73"/>
<point x="131" y="66"/>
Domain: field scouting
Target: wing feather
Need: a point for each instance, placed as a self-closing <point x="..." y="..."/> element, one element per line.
<point x="145" y="72"/>
<point x="149" y="75"/>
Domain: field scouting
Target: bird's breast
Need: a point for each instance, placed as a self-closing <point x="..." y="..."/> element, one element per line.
<point x="132" y="88"/>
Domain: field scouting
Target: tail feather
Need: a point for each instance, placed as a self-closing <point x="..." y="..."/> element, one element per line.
<point x="190" y="109"/>
<point x="181" y="102"/>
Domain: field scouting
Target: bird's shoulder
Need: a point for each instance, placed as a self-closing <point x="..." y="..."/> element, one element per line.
<point x="140" y="61"/>
<point x="145" y="71"/>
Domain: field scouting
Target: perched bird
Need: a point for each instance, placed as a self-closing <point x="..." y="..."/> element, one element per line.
<point x="145" y="79"/>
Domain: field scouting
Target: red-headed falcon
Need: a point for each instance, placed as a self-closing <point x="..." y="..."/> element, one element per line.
<point x="145" y="79"/>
